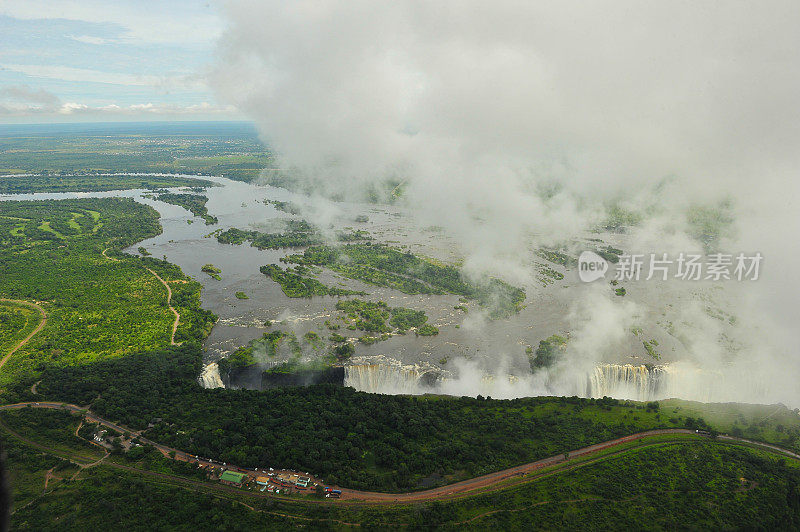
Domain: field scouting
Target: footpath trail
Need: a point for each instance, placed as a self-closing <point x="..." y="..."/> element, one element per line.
<point x="169" y="304"/>
<point x="482" y="484"/>
<point x="25" y="340"/>
<point x="169" y="298"/>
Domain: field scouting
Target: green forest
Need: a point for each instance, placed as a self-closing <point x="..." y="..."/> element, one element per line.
<point x="359" y="440"/>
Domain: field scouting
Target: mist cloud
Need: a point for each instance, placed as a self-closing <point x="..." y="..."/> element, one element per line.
<point x="480" y="107"/>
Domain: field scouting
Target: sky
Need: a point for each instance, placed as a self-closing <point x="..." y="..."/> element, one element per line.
<point x="100" y="60"/>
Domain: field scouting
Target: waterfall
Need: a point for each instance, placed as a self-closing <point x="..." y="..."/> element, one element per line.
<point x="210" y="378"/>
<point x="650" y="383"/>
<point x="380" y="374"/>
<point x="641" y="383"/>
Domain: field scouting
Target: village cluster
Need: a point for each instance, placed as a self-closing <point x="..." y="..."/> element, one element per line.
<point x="271" y="481"/>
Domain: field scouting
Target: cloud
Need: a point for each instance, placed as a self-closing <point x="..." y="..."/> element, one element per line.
<point x="481" y="106"/>
<point x="183" y="23"/>
<point x="515" y="124"/>
<point x="24" y="93"/>
<point x="84" y="75"/>
<point x="88" y="39"/>
<point x="23" y="101"/>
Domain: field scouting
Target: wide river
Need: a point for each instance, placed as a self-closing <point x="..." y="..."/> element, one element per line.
<point x="468" y="346"/>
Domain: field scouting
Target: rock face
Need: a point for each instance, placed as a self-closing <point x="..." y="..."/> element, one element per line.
<point x="248" y="377"/>
<point x="303" y="377"/>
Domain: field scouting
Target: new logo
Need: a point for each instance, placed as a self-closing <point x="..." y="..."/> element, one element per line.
<point x="591" y="266"/>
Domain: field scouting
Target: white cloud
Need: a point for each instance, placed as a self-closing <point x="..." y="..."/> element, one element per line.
<point x="22" y="101"/>
<point x="146" y="108"/>
<point x="71" y="107"/>
<point x="88" y="39"/>
<point x="85" y="75"/>
<point x="144" y="22"/>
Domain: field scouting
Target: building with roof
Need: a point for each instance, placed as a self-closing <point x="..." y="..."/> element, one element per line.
<point x="232" y="478"/>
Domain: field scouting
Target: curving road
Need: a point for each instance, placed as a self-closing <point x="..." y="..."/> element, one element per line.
<point x="31" y="335"/>
<point x="492" y="481"/>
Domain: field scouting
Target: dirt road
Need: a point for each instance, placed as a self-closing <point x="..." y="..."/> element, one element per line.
<point x="169" y="304"/>
<point x="169" y="298"/>
<point x="32" y="334"/>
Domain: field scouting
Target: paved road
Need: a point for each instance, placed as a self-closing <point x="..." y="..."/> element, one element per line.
<point x="36" y="330"/>
<point x="459" y="489"/>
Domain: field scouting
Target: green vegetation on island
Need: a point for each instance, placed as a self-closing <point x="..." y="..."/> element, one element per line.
<point x="372" y="317"/>
<point x="296" y="284"/>
<point x="194" y="203"/>
<point x="212" y="271"/>
<point x="284" y="206"/>
<point x="382" y="265"/>
<point x="547" y="353"/>
<point x="650" y="347"/>
<point x="261" y="240"/>
<point x="299" y="234"/>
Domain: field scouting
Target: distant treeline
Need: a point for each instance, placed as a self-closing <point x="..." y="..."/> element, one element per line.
<point x="23" y="184"/>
